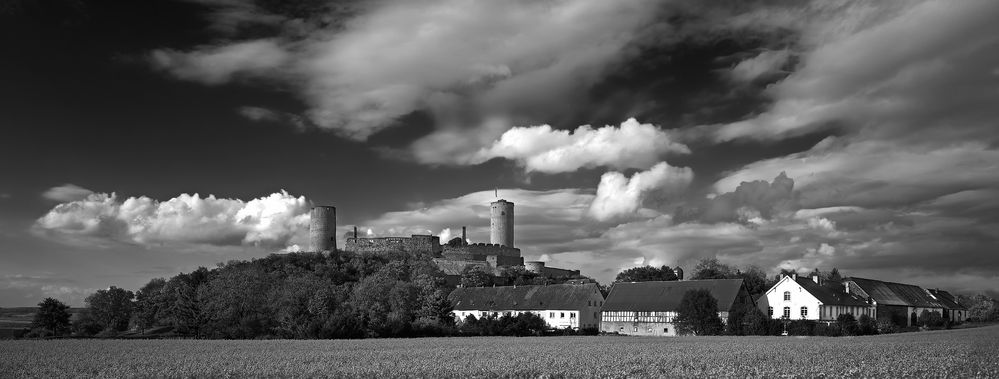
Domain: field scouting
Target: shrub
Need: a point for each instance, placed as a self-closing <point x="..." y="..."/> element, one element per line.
<point x="886" y="326"/>
<point x="85" y="325"/>
<point x="930" y="319"/>
<point x="847" y="324"/>
<point x="801" y="328"/>
<point x="866" y="326"/>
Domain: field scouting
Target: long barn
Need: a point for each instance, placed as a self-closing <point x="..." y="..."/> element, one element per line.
<point x="648" y="308"/>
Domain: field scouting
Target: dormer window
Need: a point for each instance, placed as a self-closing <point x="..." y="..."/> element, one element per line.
<point x="787" y="295"/>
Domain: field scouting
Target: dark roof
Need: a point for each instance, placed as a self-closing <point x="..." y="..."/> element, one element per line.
<point x="830" y="296"/>
<point x="945" y="298"/>
<point x="552" y="296"/>
<point x="666" y="296"/>
<point x="889" y="293"/>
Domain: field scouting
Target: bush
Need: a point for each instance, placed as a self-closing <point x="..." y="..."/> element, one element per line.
<point x="866" y="326"/>
<point x="39" y="333"/>
<point x="847" y="324"/>
<point x="827" y="330"/>
<point x="886" y="326"/>
<point x="525" y="324"/>
<point x="801" y="328"/>
<point x="85" y="325"/>
<point x="930" y="319"/>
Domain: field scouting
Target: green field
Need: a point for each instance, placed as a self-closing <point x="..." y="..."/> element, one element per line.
<point x="962" y="353"/>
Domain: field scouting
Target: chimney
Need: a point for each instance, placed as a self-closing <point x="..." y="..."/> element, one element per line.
<point x="464" y="239"/>
<point x="815" y="278"/>
<point x="794" y="276"/>
<point x="355" y="232"/>
<point x="846" y="287"/>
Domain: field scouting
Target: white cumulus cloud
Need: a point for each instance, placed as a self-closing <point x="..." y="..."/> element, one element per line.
<point x="544" y="149"/>
<point x="618" y="195"/>
<point x="277" y="220"/>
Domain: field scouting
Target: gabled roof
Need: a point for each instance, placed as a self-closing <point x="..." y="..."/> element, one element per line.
<point x="523" y="298"/>
<point x="666" y="296"/>
<point x="945" y="298"/>
<point x="830" y="296"/>
<point x="890" y="293"/>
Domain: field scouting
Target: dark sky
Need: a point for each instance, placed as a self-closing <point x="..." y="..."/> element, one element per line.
<point x="407" y="116"/>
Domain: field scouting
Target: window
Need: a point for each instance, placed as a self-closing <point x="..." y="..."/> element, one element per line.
<point x="561" y="315"/>
<point x="665" y="330"/>
<point x="636" y="328"/>
<point x="804" y="312"/>
<point x="572" y="315"/>
<point x="787" y="312"/>
<point x="770" y="312"/>
<point x="787" y="295"/>
<point x="551" y="314"/>
<point x="595" y="315"/>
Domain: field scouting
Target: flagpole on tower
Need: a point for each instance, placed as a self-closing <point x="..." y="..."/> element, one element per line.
<point x="497" y="191"/>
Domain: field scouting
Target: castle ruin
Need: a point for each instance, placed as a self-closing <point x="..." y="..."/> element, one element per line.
<point x="453" y="258"/>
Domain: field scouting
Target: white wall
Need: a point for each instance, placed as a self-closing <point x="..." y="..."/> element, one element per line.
<point x="799" y="298"/>
<point x="556" y="318"/>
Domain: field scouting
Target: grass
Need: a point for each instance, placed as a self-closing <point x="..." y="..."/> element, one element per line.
<point x="964" y="353"/>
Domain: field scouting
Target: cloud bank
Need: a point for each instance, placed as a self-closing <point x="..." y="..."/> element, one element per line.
<point x="462" y="60"/>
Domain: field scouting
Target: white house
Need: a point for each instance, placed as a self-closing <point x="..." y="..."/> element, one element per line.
<point x="572" y="306"/>
<point x="805" y="298"/>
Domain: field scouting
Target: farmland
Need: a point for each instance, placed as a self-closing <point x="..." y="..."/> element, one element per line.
<point x="955" y="353"/>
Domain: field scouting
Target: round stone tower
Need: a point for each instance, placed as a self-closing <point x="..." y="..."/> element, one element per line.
<point x="536" y="267"/>
<point x="322" y="229"/>
<point x="501" y="223"/>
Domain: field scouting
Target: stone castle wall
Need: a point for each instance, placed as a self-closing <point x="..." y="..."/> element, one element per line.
<point x="412" y="245"/>
<point x="482" y="250"/>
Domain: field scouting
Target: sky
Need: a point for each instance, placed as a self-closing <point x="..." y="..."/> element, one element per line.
<point x="145" y="139"/>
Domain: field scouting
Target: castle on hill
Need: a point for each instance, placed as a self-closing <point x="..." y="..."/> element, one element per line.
<point x="453" y="258"/>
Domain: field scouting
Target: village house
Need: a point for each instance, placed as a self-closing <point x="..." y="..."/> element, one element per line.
<point x="574" y="306"/>
<point x="900" y="303"/>
<point x="649" y="308"/>
<point x="954" y="311"/>
<point x="796" y="297"/>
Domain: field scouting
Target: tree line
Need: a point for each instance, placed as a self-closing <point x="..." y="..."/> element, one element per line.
<point x="348" y="295"/>
<point x="297" y="295"/>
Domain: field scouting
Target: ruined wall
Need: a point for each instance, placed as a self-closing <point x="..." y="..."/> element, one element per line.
<point x="500" y="260"/>
<point x="553" y="272"/>
<point x="412" y="245"/>
<point x="479" y="251"/>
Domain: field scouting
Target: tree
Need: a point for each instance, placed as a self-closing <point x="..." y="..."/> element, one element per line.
<point x="52" y="317"/>
<point x="834" y="275"/>
<point x="698" y="314"/>
<point x="754" y="279"/>
<point x="147" y="303"/>
<point x="476" y="277"/>
<point x="710" y="268"/>
<point x="646" y="274"/>
<point x="111" y="308"/>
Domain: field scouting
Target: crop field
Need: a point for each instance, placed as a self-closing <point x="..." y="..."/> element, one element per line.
<point x="962" y="353"/>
